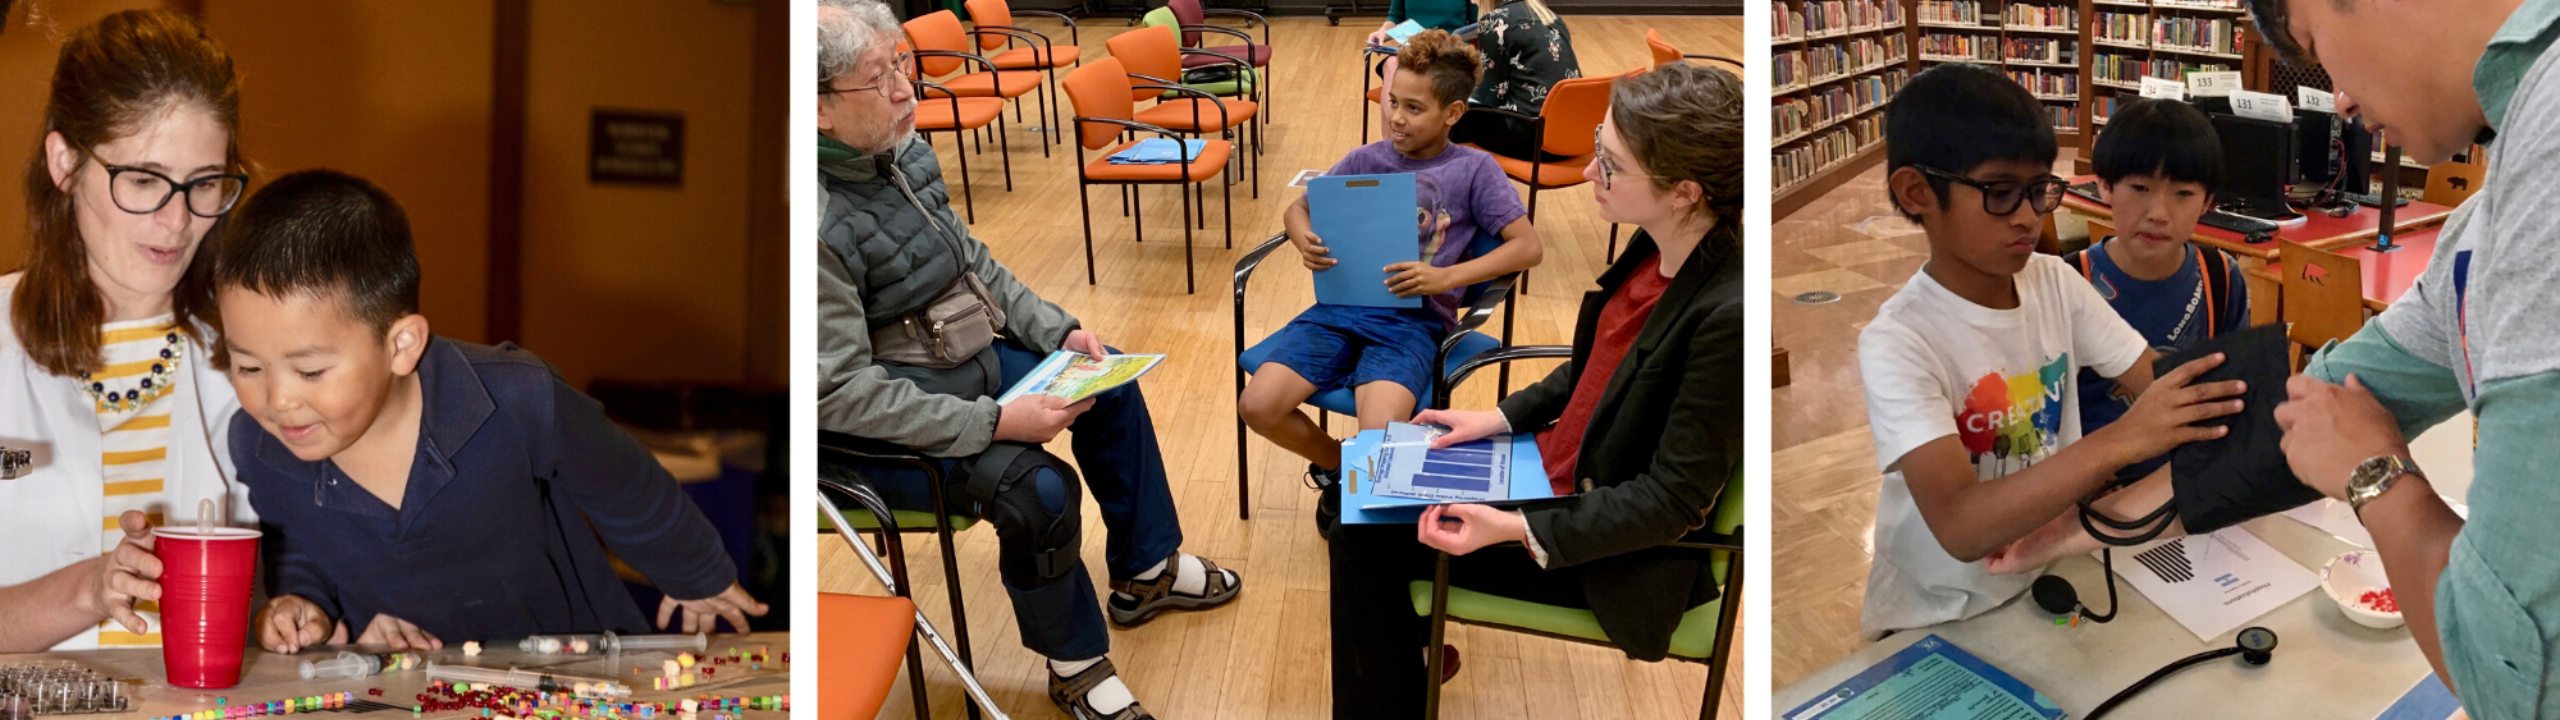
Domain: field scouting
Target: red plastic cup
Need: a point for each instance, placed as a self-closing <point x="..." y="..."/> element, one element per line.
<point x="204" y="602"/>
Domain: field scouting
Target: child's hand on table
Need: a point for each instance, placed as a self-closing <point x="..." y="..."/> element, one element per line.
<point x="130" y="573"/>
<point x="397" y="633"/>
<point x="733" y="604"/>
<point x="1466" y="527"/>
<point x="1413" y="277"/>
<point x="290" y="623"/>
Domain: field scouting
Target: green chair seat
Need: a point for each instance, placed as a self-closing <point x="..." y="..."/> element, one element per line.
<point x="1242" y="85"/>
<point x="1695" y="639"/>
<point x="908" y="521"/>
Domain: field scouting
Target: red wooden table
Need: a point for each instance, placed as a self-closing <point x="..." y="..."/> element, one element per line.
<point x="2316" y="230"/>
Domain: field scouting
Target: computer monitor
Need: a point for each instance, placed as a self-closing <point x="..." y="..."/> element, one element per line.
<point x="2258" y="159"/>
<point x="2334" y="151"/>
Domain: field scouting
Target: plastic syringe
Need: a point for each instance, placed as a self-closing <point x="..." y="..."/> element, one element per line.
<point x="545" y="682"/>
<point x="609" y="642"/>
<point x="356" y="665"/>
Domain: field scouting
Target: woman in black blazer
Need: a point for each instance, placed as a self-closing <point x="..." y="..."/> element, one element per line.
<point x="1645" y="421"/>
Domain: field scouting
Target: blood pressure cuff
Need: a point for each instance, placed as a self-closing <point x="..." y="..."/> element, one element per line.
<point x="2241" y="475"/>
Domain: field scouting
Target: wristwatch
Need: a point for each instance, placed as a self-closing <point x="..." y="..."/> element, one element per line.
<point x="2374" y="476"/>
<point x="13" y="463"/>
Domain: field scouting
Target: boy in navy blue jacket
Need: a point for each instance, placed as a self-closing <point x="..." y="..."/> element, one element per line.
<point x="417" y="489"/>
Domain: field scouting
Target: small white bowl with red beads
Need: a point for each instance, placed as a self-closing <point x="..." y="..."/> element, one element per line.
<point x="2355" y="580"/>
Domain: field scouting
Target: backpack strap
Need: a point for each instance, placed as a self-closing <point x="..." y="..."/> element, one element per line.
<point x="2216" y="269"/>
<point x="2079" y="260"/>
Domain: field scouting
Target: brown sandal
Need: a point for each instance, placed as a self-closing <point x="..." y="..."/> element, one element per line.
<point x="1154" y="597"/>
<point x="1070" y="693"/>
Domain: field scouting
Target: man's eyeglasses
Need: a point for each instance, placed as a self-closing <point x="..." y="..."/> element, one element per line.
<point x="897" y="74"/>
<point x="143" y="192"/>
<point x="2003" y="197"/>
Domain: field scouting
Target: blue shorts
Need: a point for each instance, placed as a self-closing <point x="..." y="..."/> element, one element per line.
<point x="1347" y="346"/>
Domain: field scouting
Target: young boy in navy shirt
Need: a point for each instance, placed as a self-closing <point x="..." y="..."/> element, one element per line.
<point x="418" y="489"/>
<point x="2157" y="163"/>
<point x="1385" y="355"/>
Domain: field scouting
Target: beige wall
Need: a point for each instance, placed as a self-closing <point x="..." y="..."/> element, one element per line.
<point x="397" y="93"/>
<point x="628" y="281"/>
<point x="27" y="49"/>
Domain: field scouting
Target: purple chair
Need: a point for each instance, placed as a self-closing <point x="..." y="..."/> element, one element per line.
<point x="1195" y="20"/>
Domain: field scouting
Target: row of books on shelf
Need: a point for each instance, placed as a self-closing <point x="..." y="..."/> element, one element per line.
<point x="2043" y="50"/>
<point x="2122" y="27"/>
<point x="2052" y="16"/>
<point x="2130" y="69"/>
<point x="2050" y="84"/>
<point x="1795" y="163"/>
<point x="2207" y="34"/>
<point x="1962" y="12"/>
<point x="1828" y="61"/>
<point x="1984" y="48"/>
<point x="2062" y="117"/>
<point x="1795" y="116"/>
<point x="1830" y="17"/>
<point x="2214" y="5"/>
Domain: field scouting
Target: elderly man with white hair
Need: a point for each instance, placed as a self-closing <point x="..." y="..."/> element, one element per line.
<point x="920" y="328"/>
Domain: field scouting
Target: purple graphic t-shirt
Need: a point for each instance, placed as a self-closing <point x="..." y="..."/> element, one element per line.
<point x="1462" y="185"/>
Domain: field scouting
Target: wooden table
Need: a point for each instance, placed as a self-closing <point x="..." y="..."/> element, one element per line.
<point x="2316" y="230"/>
<point x="268" y="676"/>
<point x="2325" y="665"/>
<point x="2387" y="276"/>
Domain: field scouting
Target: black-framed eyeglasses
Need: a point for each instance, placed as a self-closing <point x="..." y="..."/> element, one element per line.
<point x="897" y="73"/>
<point x="2003" y="197"/>
<point x="143" y="191"/>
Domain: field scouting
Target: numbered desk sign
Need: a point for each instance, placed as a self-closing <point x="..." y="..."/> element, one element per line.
<point x="2163" y="89"/>
<point x="2221" y="83"/>
<point x="2261" y="106"/>
<point x="2312" y="98"/>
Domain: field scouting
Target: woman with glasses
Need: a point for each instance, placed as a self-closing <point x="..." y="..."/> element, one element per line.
<point x="1640" y="431"/>
<point x="104" y="383"/>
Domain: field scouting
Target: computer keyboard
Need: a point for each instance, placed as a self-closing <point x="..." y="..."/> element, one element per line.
<point x="2242" y="224"/>
<point x="2087" y="190"/>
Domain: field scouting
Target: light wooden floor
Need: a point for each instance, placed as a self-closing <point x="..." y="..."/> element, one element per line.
<point x="1265" y="655"/>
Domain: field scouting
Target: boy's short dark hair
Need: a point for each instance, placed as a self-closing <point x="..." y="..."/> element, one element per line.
<point x="318" y="231"/>
<point x="2156" y="136"/>
<point x="1955" y="117"/>
<point x="1454" y="65"/>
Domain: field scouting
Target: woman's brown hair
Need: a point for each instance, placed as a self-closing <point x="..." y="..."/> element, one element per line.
<point x="112" y="77"/>
<point x="1684" y="122"/>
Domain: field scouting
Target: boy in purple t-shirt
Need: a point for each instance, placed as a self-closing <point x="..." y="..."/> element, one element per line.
<point x="1385" y="354"/>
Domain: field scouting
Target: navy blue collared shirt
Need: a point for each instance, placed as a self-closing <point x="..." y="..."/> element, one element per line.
<point x="518" y="486"/>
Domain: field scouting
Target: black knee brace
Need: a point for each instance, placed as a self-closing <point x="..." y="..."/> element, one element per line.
<point x="1032" y="498"/>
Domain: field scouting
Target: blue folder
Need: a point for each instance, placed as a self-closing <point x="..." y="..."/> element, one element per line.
<point x="1367" y="223"/>
<point x="1359" y="507"/>
<point x="1157" y="151"/>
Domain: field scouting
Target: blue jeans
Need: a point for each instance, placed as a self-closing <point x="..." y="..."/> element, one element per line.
<point x="1114" y="442"/>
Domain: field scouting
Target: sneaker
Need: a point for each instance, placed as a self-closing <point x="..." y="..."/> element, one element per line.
<point x="1328" y="485"/>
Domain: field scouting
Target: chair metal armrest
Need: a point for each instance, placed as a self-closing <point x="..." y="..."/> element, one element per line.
<point x="1253" y="259"/>
<point x="1187" y="91"/>
<point x="1230" y="59"/>
<point x="1715" y="58"/>
<point x="1496" y="292"/>
<point x="998" y="82"/>
<point x="1502" y="355"/>
<point x="1708" y="542"/>
<point x="1224" y="30"/>
<point x="1135" y="125"/>
<point x="1012" y="33"/>
<point x="867" y="449"/>
<point x="862" y="495"/>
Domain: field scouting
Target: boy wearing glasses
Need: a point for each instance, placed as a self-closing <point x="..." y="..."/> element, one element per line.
<point x="1971" y="368"/>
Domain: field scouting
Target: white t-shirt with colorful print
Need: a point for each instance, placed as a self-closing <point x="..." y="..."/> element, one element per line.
<point x="2004" y="383"/>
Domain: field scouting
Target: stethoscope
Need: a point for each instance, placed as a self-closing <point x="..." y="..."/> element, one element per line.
<point x="2255" y="645"/>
